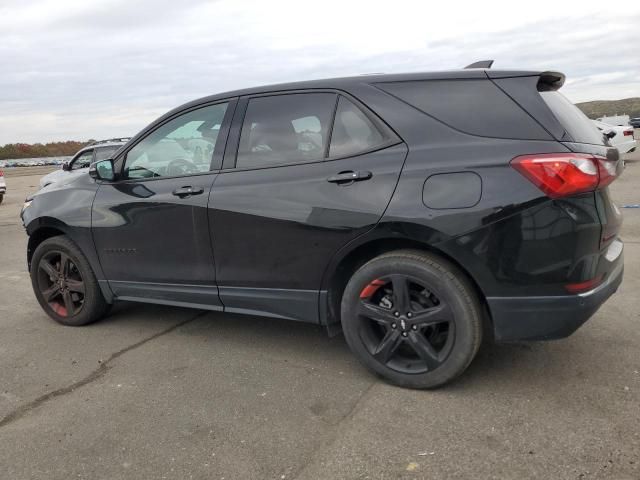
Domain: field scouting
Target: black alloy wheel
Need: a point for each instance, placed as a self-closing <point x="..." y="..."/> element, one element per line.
<point x="412" y="317"/>
<point x="404" y="325"/>
<point x="64" y="283"/>
<point x="60" y="283"/>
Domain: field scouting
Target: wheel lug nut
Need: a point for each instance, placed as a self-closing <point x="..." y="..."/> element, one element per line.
<point x="404" y="334"/>
<point x="409" y="315"/>
<point x="414" y="327"/>
<point x="393" y="325"/>
<point x="397" y="314"/>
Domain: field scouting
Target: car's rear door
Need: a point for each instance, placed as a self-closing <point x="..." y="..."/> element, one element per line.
<point x="295" y="189"/>
<point x="151" y="227"/>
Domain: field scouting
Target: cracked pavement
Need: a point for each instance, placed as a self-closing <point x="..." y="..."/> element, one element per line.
<point x="156" y="392"/>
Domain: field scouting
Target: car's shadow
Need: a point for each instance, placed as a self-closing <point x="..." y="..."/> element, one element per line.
<point x="499" y="365"/>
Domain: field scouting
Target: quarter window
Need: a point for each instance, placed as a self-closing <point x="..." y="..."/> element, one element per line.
<point x="182" y="146"/>
<point x="285" y="129"/>
<point x="353" y="132"/>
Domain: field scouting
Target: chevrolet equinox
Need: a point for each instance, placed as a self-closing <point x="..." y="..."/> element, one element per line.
<point x="415" y="212"/>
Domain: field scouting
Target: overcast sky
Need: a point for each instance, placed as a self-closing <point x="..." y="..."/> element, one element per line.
<point x="79" y="69"/>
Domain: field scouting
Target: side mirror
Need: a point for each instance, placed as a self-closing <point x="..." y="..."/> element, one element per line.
<point x="103" y="170"/>
<point x="610" y="134"/>
<point x="66" y="166"/>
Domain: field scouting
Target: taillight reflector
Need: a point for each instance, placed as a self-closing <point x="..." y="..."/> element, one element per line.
<point x="1" y="173"/>
<point x="583" y="286"/>
<point x="564" y="174"/>
<point x="628" y="133"/>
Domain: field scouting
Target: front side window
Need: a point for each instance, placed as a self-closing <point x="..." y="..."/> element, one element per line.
<point x="353" y="132"/>
<point x="182" y="146"/>
<point x="83" y="161"/>
<point x="285" y="129"/>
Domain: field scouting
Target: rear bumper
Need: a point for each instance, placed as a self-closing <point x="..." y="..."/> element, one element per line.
<point x="548" y="318"/>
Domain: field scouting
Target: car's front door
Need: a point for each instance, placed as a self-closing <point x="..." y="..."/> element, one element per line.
<point x="294" y="198"/>
<point x="150" y="226"/>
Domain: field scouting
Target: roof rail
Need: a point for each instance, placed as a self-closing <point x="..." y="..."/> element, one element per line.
<point x="480" y="64"/>
<point x="111" y="140"/>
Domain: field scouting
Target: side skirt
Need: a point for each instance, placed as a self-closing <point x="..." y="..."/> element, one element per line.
<point x="288" y="304"/>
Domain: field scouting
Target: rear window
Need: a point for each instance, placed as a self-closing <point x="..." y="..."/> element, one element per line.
<point x="576" y="123"/>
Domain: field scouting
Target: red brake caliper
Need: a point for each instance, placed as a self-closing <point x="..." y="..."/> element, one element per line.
<point x="371" y="288"/>
<point x="59" y="309"/>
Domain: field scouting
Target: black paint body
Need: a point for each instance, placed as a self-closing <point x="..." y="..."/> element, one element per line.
<point x="281" y="241"/>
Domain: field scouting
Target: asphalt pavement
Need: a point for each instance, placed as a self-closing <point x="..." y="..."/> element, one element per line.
<point x="155" y="392"/>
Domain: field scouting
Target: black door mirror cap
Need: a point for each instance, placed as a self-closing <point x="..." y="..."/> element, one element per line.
<point x="66" y="166"/>
<point x="103" y="170"/>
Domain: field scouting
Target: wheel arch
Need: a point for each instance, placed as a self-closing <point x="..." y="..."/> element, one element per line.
<point x="349" y="260"/>
<point x="40" y="230"/>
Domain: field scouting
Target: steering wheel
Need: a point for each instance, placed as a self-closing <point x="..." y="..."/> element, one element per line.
<point x="180" y="166"/>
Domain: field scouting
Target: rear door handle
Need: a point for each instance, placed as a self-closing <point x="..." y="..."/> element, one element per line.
<point x="349" y="177"/>
<point x="187" y="191"/>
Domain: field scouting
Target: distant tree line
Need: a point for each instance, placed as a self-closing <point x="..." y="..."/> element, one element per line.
<point x="53" y="149"/>
<point x="605" y="108"/>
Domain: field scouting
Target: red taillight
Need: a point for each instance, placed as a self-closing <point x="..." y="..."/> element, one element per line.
<point x="583" y="286"/>
<point x="1" y="173"/>
<point x="564" y="174"/>
<point x="628" y="133"/>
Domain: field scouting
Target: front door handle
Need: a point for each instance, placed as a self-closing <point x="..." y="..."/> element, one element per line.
<point x="344" y="178"/>
<point x="187" y="191"/>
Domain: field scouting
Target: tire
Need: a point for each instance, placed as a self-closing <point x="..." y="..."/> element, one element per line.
<point x="73" y="297"/>
<point x="413" y="318"/>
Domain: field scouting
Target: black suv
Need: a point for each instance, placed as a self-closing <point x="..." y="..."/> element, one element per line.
<point x="416" y="212"/>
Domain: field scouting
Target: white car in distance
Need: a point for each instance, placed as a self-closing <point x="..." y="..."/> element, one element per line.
<point x="3" y="186"/>
<point x="620" y="137"/>
<point x="79" y="164"/>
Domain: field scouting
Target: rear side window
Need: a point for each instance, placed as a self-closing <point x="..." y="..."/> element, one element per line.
<point x="576" y="123"/>
<point x="285" y="129"/>
<point x="353" y="132"/>
<point x="473" y="106"/>
<point x="106" y="152"/>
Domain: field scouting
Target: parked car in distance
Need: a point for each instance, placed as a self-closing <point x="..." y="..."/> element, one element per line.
<point x="619" y="137"/>
<point x="79" y="164"/>
<point x="635" y="122"/>
<point x="3" y="186"/>
<point x="377" y="205"/>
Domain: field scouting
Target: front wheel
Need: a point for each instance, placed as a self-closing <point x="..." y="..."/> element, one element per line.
<point x="413" y="318"/>
<point x="64" y="283"/>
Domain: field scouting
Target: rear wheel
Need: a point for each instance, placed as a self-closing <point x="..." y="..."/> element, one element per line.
<point x="413" y="318"/>
<point x="1" y="197"/>
<point x="64" y="283"/>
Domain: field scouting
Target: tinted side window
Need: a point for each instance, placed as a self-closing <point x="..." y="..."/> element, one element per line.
<point x="477" y="107"/>
<point x="83" y="161"/>
<point x="352" y="132"/>
<point x="182" y="146"/>
<point x="285" y="129"/>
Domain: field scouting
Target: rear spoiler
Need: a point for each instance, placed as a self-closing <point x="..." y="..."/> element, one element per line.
<point x="550" y="81"/>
